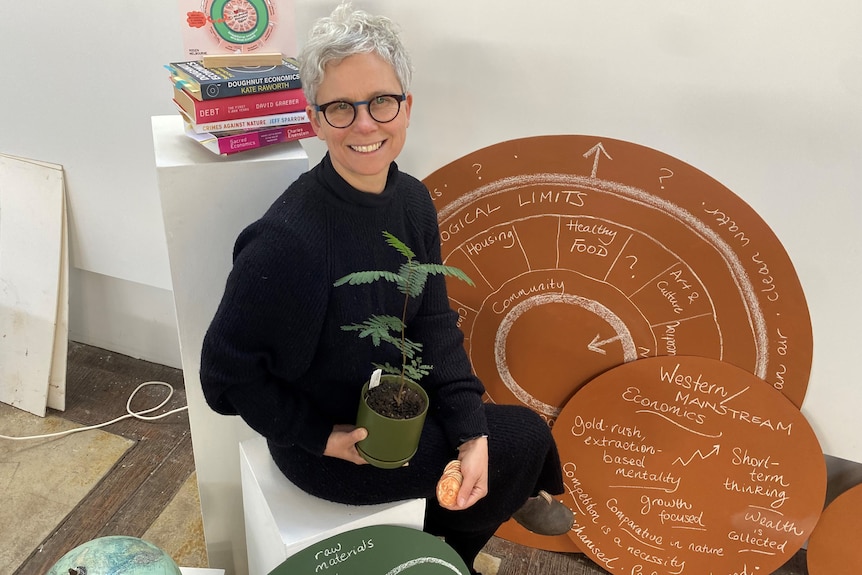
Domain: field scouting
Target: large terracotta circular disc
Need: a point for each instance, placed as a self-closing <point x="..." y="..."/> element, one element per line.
<point x="590" y="252"/>
<point x="688" y="465"/>
<point x="835" y="547"/>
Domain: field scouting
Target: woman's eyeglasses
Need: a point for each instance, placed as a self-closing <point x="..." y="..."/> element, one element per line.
<point x="382" y="109"/>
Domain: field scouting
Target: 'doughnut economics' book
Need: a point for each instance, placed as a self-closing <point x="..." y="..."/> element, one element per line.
<point x="210" y="83"/>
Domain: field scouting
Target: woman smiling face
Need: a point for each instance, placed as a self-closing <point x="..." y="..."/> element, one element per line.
<point x="362" y="152"/>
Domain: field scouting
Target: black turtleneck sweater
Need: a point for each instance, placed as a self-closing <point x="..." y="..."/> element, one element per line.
<point x="275" y="353"/>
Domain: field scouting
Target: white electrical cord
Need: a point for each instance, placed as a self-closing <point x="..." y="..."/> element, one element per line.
<point x="129" y="413"/>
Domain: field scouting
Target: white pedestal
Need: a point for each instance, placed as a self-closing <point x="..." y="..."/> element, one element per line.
<point x="206" y="201"/>
<point x="281" y="519"/>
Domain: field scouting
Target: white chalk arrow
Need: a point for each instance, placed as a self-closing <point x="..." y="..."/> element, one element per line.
<point x="698" y="453"/>
<point x="597" y="150"/>
<point x="596" y="344"/>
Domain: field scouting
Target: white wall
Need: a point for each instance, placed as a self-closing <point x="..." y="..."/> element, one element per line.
<point x="79" y="88"/>
<point x="763" y="96"/>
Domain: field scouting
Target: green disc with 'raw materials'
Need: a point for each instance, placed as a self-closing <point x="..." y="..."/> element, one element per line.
<point x="378" y="550"/>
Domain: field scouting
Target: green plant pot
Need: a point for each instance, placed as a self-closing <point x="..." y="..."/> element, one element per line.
<point x="390" y="442"/>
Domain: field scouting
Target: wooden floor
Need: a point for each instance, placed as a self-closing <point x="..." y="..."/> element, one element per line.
<point x="130" y="498"/>
<point x="519" y="560"/>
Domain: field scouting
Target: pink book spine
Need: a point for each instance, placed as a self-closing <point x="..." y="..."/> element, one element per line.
<point x="234" y="143"/>
<point x="239" y="107"/>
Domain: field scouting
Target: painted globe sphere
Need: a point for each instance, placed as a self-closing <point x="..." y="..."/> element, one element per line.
<point x="115" y="555"/>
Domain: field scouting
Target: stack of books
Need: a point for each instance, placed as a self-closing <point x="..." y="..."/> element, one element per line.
<point x="231" y="108"/>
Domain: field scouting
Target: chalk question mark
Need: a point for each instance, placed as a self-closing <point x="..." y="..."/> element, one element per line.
<point x="478" y="167"/>
<point x="635" y="258"/>
<point x="661" y="179"/>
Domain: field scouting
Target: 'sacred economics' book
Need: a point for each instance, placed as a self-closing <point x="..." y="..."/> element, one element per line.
<point x="211" y="83"/>
<point x="238" y="107"/>
<point x="225" y="143"/>
<point x="255" y="123"/>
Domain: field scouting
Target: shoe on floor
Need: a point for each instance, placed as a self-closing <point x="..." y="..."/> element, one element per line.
<point x="544" y="515"/>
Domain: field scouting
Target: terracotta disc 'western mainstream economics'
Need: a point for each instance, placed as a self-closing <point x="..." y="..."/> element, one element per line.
<point x="688" y="465"/>
<point x="589" y="253"/>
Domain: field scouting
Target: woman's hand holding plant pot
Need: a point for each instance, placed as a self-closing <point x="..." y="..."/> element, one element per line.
<point x="342" y="443"/>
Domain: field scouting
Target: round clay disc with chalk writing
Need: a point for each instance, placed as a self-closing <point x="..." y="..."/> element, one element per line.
<point x="688" y="465"/>
<point x="834" y="548"/>
<point x="589" y="252"/>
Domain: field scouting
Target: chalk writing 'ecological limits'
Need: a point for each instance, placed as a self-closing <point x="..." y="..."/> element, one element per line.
<point x="469" y="217"/>
<point x="570" y="197"/>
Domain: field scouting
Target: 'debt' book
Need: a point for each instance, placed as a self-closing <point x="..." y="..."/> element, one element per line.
<point x="238" y="107"/>
<point x="255" y="123"/>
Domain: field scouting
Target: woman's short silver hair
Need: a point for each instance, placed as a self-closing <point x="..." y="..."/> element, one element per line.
<point x="346" y="32"/>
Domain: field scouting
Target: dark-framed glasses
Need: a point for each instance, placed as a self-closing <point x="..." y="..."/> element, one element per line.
<point x="382" y="109"/>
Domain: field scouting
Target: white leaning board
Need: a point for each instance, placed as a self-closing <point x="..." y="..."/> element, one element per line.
<point x="33" y="285"/>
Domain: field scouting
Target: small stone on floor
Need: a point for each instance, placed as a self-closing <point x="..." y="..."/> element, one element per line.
<point x="486" y="564"/>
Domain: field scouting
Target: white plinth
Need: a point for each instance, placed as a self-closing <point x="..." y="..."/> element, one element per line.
<point x="206" y="201"/>
<point x="281" y="519"/>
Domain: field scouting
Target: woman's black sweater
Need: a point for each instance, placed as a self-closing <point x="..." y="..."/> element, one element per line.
<point x="275" y="353"/>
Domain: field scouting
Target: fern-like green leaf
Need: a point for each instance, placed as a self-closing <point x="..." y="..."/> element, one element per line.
<point x="411" y="348"/>
<point x="414" y="278"/>
<point x="386" y="322"/>
<point x="388" y="368"/>
<point x="416" y="370"/>
<point x="364" y="331"/>
<point x="380" y="328"/>
<point x="410" y="281"/>
<point x="398" y="245"/>
<point x="367" y="277"/>
<point x="450" y="271"/>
